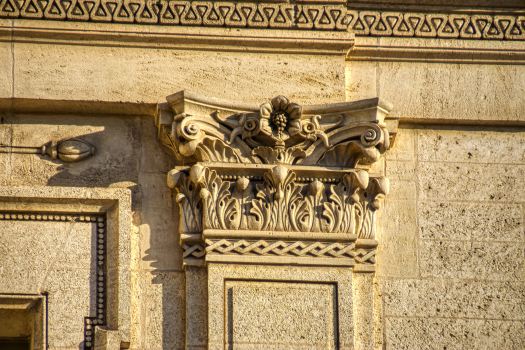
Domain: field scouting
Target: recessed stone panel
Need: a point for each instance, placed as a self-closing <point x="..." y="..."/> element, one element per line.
<point x="281" y="315"/>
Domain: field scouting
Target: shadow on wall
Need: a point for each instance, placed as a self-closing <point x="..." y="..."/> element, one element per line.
<point x="127" y="155"/>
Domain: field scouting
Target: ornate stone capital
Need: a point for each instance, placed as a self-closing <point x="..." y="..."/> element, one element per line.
<point x="277" y="183"/>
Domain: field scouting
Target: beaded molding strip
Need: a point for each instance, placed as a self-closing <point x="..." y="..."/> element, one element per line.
<point x="101" y="300"/>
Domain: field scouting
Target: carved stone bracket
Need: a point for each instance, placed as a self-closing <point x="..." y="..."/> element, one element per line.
<point x="277" y="183"/>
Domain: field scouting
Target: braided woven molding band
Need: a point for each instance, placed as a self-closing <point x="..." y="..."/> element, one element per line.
<point x="281" y="248"/>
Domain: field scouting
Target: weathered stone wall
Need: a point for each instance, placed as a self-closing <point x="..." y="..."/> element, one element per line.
<point x="450" y="265"/>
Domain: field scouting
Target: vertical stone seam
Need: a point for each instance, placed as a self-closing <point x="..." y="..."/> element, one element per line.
<point x="12" y="64"/>
<point x="418" y="241"/>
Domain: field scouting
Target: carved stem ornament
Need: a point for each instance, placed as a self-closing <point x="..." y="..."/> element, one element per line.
<point x="68" y="151"/>
<point x="277" y="180"/>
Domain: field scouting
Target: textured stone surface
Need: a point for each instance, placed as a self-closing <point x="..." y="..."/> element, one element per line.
<point x="218" y="316"/>
<point x="466" y="220"/>
<point x="483" y="260"/>
<point x="450" y="261"/>
<point x="443" y="333"/>
<point x="136" y="75"/>
<point x="397" y="253"/>
<point x="282" y="315"/>
<point x="454" y="298"/>
<point x="471" y="182"/>
<point x="439" y="90"/>
<point x="472" y="146"/>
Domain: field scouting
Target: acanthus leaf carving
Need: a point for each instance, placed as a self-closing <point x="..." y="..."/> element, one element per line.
<point x="216" y="197"/>
<point x="276" y="198"/>
<point x="243" y="194"/>
<point x="378" y="189"/>
<point x="210" y="150"/>
<point x="279" y="155"/>
<point x="279" y="203"/>
<point x="190" y="205"/>
<point x="344" y="212"/>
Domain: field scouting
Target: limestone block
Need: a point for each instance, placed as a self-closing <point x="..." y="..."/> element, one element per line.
<point x="471" y="146"/>
<point x="454" y="299"/>
<point x="402" y="190"/>
<point x="148" y="75"/>
<point x="424" y="333"/>
<point x="457" y="91"/>
<point x="282" y="315"/>
<point x="6" y="67"/>
<point x="361" y="80"/>
<point x="472" y="182"/>
<point x="481" y="260"/>
<point x="397" y="234"/>
<point x="78" y="246"/>
<point x="115" y="141"/>
<point x="401" y="170"/>
<point x="153" y="157"/>
<point x="164" y="310"/>
<point x="196" y="308"/>
<point x="471" y="220"/>
<point x="364" y="311"/>
<point x="404" y="146"/>
<point x="71" y="298"/>
<point x="159" y="239"/>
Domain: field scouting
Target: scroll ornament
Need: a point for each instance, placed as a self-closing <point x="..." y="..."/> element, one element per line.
<point x="279" y="132"/>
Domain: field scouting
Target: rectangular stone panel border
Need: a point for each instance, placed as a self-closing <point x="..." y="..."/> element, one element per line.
<point x="116" y="204"/>
<point x="220" y="274"/>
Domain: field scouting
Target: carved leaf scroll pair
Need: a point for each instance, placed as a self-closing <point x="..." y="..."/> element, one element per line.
<point x="279" y="203"/>
<point x="278" y="133"/>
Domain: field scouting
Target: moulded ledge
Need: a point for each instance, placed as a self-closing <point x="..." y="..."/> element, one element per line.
<point x="177" y="37"/>
<point x="278" y="260"/>
<point x="307" y="236"/>
<point x="364" y="268"/>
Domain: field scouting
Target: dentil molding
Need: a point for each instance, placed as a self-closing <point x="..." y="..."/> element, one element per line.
<point x="277" y="183"/>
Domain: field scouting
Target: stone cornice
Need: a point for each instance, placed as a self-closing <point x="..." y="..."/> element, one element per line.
<point x="286" y="41"/>
<point x="397" y="21"/>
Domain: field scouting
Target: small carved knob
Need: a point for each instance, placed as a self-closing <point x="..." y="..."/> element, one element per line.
<point x="74" y="150"/>
<point x="68" y="151"/>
